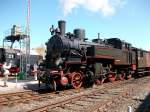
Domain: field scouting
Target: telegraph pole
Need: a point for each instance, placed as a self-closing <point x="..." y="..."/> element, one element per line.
<point x="28" y="35"/>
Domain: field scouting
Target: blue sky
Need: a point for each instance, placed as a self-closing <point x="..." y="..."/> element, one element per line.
<point x="128" y="20"/>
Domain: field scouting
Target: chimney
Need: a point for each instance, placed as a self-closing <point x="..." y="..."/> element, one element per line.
<point x="62" y="27"/>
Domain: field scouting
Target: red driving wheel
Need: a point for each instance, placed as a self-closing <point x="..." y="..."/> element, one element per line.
<point x="112" y="77"/>
<point x="100" y="81"/>
<point x="122" y="76"/>
<point x="76" y="80"/>
<point x="129" y="76"/>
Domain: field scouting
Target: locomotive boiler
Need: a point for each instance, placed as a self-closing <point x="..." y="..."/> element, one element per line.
<point x="72" y="60"/>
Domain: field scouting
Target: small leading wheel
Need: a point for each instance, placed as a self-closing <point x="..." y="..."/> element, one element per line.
<point x="53" y="85"/>
<point x="76" y="80"/>
<point x="39" y="83"/>
<point x="111" y="77"/>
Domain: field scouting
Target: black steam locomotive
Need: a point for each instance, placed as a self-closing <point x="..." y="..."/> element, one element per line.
<point x="72" y="60"/>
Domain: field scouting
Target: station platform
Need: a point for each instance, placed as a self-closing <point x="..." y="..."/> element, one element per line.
<point x="15" y="85"/>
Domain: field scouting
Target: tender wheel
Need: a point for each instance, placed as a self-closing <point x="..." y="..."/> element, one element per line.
<point x="76" y="80"/>
<point x="111" y="77"/>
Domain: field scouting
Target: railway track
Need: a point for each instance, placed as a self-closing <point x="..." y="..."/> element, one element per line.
<point x="96" y="99"/>
<point x="21" y="97"/>
<point x="26" y="96"/>
<point x="8" y="97"/>
<point x="72" y="100"/>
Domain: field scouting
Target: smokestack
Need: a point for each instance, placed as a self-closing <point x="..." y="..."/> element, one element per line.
<point x="62" y="27"/>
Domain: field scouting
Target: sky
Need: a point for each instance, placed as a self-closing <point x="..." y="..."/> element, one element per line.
<point x="128" y="20"/>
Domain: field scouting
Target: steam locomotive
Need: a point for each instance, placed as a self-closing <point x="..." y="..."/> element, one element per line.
<point x="72" y="60"/>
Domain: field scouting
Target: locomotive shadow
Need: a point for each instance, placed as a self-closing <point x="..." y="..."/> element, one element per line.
<point x="43" y="89"/>
<point x="145" y="104"/>
<point x="35" y="88"/>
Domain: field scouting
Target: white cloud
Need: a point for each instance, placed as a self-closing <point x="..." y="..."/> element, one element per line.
<point x="106" y="7"/>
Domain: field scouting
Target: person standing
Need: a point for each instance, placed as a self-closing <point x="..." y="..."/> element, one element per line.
<point x="6" y="72"/>
<point x="35" y="68"/>
<point x="28" y="70"/>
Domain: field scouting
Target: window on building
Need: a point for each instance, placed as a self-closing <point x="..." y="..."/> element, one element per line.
<point x="141" y="53"/>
